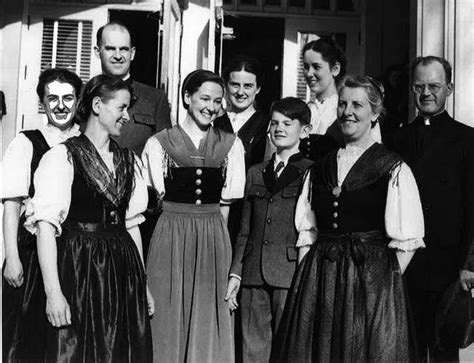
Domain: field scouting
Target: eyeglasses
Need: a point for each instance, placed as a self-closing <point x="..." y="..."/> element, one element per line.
<point x="432" y="87"/>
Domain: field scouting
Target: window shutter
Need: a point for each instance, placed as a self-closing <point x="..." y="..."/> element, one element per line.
<point x="67" y="44"/>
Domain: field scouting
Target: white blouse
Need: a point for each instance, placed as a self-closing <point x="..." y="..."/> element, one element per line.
<point x="53" y="181"/>
<point x="323" y="114"/>
<point x="153" y="158"/>
<point x="404" y="222"/>
<point x="17" y="160"/>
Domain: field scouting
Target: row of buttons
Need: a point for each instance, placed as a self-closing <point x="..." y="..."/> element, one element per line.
<point x="335" y="214"/>
<point x="198" y="182"/>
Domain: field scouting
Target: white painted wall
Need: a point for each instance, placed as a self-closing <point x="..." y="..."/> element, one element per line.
<point x="445" y="29"/>
<point x="195" y="42"/>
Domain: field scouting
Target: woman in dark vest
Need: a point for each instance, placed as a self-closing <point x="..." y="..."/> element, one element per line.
<point x="198" y="170"/>
<point x="360" y="221"/>
<point x="89" y="196"/>
<point x="243" y="78"/>
<point x="23" y="294"/>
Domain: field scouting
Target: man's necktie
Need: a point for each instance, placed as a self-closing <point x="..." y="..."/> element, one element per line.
<point x="279" y="166"/>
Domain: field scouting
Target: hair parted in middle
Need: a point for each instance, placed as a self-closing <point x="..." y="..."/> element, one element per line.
<point x="243" y="62"/>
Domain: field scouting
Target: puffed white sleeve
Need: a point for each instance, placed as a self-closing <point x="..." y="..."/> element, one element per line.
<point x="52" y="180"/>
<point x="305" y="219"/>
<point x="403" y="213"/>
<point x="17" y="168"/>
<point x="153" y="160"/>
<point x="139" y="198"/>
<point x="235" y="175"/>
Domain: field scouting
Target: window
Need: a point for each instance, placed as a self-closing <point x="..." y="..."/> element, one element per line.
<point x="67" y="44"/>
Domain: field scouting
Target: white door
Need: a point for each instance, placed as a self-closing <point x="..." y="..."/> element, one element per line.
<point x="298" y="31"/>
<point x="171" y="52"/>
<point x="56" y="36"/>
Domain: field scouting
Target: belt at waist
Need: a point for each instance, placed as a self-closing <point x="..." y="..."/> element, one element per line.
<point x="91" y="226"/>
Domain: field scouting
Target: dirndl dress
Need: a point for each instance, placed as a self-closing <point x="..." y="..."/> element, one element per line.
<point x="347" y="301"/>
<point x="23" y="315"/>
<point x="99" y="266"/>
<point x="190" y="250"/>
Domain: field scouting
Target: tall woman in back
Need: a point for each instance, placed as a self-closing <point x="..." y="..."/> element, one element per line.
<point x="360" y="221"/>
<point x="199" y="171"/>
<point x="89" y="196"/>
<point x="23" y="318"/>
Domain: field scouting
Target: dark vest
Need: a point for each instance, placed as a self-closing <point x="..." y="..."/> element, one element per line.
<point x="40" y="146"/>
<point x="359" y="206"/>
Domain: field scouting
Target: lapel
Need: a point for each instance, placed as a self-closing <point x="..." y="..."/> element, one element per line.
<point x="223" y="123"/>
<point x="290" y="173"/>
<point x="249" y="132"/>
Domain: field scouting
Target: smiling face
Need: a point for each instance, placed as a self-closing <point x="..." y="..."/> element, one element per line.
<point x="355" y="113"/>
<point x="242" y="89"/>
<point x="204" y="104"/>
<point x="431" y="103"/>
<point x="113" y="113"/>
<point x="286" y="133"/>
<point x="115" y="51"/>
<point x="59" y="103"/>
<point x="319" y="74"/>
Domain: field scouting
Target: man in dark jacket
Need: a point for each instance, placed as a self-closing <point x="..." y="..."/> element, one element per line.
<point x="440" y="152"/>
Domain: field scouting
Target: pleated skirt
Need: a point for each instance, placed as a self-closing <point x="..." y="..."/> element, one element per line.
<point x="104" y="282"/>
<point x="187" y="266"/>
<point x="347" y="303"/>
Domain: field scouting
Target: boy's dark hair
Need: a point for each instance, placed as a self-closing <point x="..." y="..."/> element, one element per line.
<point x="293" y="108"/>
<point x="61" y="75"/>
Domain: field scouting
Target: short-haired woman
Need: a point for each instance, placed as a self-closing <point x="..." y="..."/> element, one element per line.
<point x="23" y="318"/>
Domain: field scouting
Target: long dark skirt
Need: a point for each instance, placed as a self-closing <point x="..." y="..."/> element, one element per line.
<point x="23" y="309"/>
<point x="103" y="281"/>
<point x="347" y="304"/>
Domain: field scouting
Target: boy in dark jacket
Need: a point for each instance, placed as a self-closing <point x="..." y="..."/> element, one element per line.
<point x="265" y="255"/>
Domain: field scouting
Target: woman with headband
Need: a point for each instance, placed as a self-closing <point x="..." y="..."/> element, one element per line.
<point x="360" y="221"/>
<point x="199" y="171"/>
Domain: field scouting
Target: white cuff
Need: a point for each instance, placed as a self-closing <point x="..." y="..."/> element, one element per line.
<point x="306" y="238"/>
<point x="407" y="245"/>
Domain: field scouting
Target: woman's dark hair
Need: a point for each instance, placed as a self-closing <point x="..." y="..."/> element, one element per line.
<point x="246" y="63"/>
<point x="61" y="75"/>
<point x="294" y="108"/>
<point x="373" y="88"/>
<point x="103" y="86"/>
<point x="330" y="51"/>
<point x="194" y="81"/>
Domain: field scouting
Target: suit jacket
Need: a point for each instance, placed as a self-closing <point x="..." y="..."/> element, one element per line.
<point x="253" y="135"/>
<point x="149" y="114"/>
<point x="265" y="249"/>
<point x="441" y="157"/>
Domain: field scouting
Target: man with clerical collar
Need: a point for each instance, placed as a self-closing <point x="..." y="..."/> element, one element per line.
<point x="150" y="111"/>
<point x="440" y="152"/>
